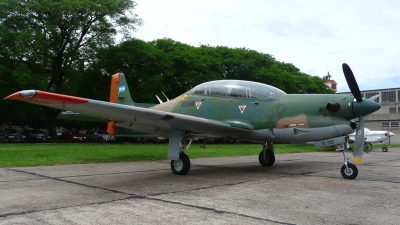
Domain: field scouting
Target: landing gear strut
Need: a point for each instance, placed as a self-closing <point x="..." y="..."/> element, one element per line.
<point x="348" y="170"/>
<point x="180" y="162"/>
<point x="384" y="148"/>
<point x="267" y="156"/>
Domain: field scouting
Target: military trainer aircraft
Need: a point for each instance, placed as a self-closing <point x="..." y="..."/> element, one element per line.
<point x="235" y="109"/>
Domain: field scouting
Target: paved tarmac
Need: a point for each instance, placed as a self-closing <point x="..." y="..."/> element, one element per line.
<point x="304" y="188"/>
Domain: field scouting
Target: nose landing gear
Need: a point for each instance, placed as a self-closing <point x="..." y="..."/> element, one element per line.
<point x="348" y="170"/>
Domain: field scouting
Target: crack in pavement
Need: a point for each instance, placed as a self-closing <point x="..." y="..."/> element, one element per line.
<point x="152" y="197"/>
<point x="157" y="196"/>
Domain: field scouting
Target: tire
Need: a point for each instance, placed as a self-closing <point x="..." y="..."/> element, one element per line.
<point x="270" y="158"/>
<point x="181" y="166"/>
<point x="100" y="140"/>
<point x="367" y="147"/>
<point x="351" y="173"/>
<point x="384" y="149"/>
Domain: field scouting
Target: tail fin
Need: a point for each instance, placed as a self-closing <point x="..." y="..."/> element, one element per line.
<point x="119" y="93"/>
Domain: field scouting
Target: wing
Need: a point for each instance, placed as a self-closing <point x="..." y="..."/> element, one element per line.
<point x="142" y="119"/>
<point x="69" y="115"/>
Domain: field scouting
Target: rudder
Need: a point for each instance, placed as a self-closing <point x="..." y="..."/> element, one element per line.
<point x="119" y="93"/>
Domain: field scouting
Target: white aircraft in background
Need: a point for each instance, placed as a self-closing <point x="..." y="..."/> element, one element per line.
<point x="374" y="136"/>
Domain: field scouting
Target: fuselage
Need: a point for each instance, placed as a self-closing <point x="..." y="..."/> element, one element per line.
<point x="248" y="110"/>
<point x="275" y="116"/>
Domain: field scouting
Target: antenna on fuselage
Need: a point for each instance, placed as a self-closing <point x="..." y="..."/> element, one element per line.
<point x="165" y="96"/>
<point x="161" y="102"/>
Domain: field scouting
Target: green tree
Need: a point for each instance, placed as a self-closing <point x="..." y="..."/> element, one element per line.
<point x="242" y="63"/>
<point x="246" y="64"/>
<point x="190" y="65"/>
<point x="145" y="68"/>
<point x="151" y="67"/>
<point x="56" y="39"/>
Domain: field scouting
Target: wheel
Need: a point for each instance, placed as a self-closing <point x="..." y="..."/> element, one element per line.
<point x="270" y="158"/>
<point x="367" y="147"/>
<point x="100" y="140"/>
<point x="181" y="166"/>
<point x="350" y="173"/>
<point x="384" y="149"/>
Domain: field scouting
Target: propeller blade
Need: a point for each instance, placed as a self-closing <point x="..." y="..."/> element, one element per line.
<point x="351" y="82"/>
<point x="359" y="142"/>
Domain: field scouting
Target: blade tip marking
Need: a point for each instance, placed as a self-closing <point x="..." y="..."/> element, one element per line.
<point x="357" y="160"/>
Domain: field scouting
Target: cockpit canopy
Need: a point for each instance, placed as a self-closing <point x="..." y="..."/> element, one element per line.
<point x="237" y="89"/>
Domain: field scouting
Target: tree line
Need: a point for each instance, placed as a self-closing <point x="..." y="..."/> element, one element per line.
<point x="69" y="47"/>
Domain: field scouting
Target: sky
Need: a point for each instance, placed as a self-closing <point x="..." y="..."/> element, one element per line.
<point x="315" y="36"/>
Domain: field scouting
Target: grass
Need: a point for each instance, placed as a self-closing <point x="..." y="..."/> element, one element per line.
<point x="17" y="155"/>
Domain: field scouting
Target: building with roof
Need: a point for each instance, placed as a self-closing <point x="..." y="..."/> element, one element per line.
<point x="388" y="116"/>
<point x="330" y="83"/>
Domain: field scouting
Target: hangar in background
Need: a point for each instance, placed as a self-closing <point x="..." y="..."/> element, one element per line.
<point x="387" y="117"/>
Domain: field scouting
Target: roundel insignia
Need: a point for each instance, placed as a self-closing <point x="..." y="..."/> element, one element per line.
<point x="359" y="132"/>
<point x="198" y="104"/>
<point x="242" y="108"/>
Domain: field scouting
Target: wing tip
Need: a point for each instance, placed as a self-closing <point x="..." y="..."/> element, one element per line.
<point x="45" y="97"/>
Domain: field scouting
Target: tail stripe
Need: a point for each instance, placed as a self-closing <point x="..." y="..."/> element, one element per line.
<point x="113" y="99"/>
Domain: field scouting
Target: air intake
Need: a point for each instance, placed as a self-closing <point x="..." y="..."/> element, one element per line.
<point x="333" y="106"/>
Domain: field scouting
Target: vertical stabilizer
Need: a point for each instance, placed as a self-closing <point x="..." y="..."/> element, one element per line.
<point x="119" y="93"/>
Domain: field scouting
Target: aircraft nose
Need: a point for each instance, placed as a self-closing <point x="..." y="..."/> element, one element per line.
<point x="365" y="107"/>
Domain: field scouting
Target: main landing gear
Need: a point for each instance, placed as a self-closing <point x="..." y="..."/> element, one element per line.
<point x="181" y="166"/>
<point x="180" y="162"/>
<point x="384" y="148"/>
<point x="267" y="156"/>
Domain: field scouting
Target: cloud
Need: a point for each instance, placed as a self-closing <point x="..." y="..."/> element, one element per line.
<point x="315" y="36"/>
